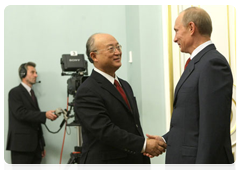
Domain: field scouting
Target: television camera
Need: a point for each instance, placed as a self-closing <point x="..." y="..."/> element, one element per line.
<point x="76" y="66"/>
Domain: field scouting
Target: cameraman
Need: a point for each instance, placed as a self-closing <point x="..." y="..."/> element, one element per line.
<point x="25" y="137"/>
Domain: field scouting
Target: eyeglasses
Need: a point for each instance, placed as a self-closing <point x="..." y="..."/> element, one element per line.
<point x="112" y="49"/>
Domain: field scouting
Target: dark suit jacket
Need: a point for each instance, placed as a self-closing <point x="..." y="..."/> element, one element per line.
<point x="111" y="132"/>
<point x="200" y="125"/>
<point x="25" y="118"/>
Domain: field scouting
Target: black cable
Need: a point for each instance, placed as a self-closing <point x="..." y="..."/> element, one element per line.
<point x="51" y="131"/>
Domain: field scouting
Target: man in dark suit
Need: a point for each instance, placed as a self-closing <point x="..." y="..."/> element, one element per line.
<point x="25" y="138"/>
<point x="107" y="110"/>
<point x="200" y="125"/>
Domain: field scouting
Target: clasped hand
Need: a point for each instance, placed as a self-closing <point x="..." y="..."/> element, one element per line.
<point x="155" y="146"/>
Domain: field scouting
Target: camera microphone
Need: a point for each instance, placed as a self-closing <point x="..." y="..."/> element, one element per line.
<point x="38" y="81"/>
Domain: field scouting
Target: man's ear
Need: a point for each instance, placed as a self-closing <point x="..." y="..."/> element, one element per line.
<point x="192" y="27"/>
<point x="93" y="56"/>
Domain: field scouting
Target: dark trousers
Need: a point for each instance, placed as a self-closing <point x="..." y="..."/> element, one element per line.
<point x="27" y="157"/>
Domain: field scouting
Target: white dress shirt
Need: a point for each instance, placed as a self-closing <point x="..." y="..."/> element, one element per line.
<point x="200" y="48"/>
<point x="27" y="88"/>
<point x="107" y="76"/>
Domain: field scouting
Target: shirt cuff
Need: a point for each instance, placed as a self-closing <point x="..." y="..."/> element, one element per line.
<point x="164" y="140"/>
<point x="144" y="146"/>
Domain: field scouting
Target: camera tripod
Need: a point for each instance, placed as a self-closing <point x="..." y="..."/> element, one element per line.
<point x="75" y="156"/>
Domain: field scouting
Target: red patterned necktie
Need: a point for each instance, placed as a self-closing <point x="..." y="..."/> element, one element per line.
<point x="121" y="91"/>
<point x="187" y="63"/>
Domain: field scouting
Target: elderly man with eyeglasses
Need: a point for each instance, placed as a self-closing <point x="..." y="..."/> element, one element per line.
<point x="107" y="110"/>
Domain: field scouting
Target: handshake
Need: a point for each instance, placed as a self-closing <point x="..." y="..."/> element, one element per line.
<point x="155" y="146"/>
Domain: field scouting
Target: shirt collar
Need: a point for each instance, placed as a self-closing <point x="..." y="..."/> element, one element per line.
<point x="200" y="48"/>
<point x="26" y="87"/>
<point x="107" y="76"/>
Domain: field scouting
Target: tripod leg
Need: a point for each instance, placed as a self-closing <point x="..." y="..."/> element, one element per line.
<point x="72" y="159"/>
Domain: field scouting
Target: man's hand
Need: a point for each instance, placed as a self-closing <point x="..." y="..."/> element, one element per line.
<point x="155" y="147"/>
<point x="50" y="115"/>
<point x="155" y="137"/>
<point x="44" y="153"/>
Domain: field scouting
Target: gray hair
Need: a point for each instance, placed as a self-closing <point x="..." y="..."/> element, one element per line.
<point x="90" y="46"/>
<point x="200" y="18"/>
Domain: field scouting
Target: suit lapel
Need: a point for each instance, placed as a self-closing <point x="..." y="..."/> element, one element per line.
<point x="105" y="84"/>
<point x="132" y="103"/>
<point x="127" y="92"/>
<point x="183" y="78"/>
<point x="190" y="69"/>
<point x="28" y="97"/>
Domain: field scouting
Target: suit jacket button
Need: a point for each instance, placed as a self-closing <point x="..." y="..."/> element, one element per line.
<point x="136" y="125"/>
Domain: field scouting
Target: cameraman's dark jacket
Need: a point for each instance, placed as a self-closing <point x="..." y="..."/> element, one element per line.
<point x="25" y="118"/>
